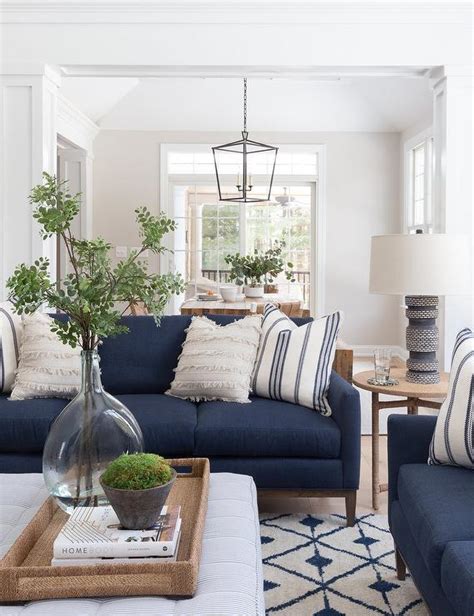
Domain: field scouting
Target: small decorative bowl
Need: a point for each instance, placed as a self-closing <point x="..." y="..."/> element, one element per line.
<point x="138" y="509"/>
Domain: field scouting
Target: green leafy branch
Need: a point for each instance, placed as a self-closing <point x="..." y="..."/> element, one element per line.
<point x="90" y="292"/>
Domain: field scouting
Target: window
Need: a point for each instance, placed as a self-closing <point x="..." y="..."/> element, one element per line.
<point x="419" y="172"/>
<point x="208" y="230"/>
<point x="202" y="163"/>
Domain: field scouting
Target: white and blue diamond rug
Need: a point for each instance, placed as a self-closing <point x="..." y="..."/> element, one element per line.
<point x="316" y="566"/>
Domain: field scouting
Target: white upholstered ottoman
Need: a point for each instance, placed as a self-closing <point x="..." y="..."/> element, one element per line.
<point x="230" y="575"/>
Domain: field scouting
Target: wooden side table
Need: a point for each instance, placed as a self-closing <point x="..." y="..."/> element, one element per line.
<point x="414" y="394"/>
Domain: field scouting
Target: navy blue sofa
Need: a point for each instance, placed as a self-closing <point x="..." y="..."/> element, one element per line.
<point x="431" y="515"/>
<point x="281" y="445"/>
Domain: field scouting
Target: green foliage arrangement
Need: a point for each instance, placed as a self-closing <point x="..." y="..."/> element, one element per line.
<point x="260" y="267"/>
<point x="90" y="292"/>
<point x="137" y="471"/>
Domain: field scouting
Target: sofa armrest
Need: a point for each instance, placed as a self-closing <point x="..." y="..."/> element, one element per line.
<point x="409" y="438"/>
<point x="344" y="401"/>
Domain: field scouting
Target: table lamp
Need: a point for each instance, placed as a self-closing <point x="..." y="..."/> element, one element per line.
<point x="420" y="266"/>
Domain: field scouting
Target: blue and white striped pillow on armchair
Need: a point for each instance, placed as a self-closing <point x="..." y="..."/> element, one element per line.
<point x="11" y="334"/>
<point x="453" y="438"/>
<point x="294" y="363"/>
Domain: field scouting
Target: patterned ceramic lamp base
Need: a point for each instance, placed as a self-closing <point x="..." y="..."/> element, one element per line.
<point x="422" y="339"/>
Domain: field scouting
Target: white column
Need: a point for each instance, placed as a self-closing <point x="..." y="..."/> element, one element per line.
<point x="452" y="185"/>
<point x="28" y="147"/>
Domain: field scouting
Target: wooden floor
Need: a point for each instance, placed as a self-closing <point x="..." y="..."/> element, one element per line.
<point x="336" y="505"/>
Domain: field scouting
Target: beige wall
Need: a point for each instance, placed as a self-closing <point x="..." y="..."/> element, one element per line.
<point x="362" y="199"/>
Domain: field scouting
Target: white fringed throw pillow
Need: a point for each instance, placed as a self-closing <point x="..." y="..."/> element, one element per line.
<point x="453" y="438"/>
<point x="217" y="361"/>
<point x="294" y="363"/>
<point x="47" y="368"/>
<point x="11" y="331"/>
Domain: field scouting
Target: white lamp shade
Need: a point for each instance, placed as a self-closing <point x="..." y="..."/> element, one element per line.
<point x="420" y="264"/>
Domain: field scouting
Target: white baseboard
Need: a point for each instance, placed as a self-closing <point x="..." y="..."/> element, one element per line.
<point x="367" y="350"/>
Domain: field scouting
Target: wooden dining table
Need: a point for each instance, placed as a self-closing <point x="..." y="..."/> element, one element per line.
<point x="247" y="305"/>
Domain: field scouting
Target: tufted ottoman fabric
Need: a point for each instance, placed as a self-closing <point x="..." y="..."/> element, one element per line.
<point x="230" y="576"/>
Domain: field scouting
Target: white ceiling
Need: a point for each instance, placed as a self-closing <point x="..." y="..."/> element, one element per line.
<point x="351" y="103"/>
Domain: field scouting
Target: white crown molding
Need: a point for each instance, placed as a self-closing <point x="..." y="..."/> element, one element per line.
<point x="459" y="74"/>
<point x="231" y="12"/>
<point x="310" y="73"/>
<point x="75" y="125"/>
<point x="31" y="69"/>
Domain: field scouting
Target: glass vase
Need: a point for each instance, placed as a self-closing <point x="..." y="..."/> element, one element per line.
<point x="89" y="433"/>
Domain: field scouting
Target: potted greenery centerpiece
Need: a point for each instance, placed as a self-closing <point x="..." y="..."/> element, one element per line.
<point x="95" y="427"/>
<point x="259" y="269"/>
<point x="137" y="486"/>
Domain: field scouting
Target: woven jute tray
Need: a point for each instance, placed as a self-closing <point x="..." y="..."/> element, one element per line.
<point x="26" y="573"/>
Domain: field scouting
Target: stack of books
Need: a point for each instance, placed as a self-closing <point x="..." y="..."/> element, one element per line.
<point x="93" y="535"/>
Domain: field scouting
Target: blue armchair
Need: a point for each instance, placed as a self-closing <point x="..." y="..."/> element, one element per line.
<point x="431" y="517"/>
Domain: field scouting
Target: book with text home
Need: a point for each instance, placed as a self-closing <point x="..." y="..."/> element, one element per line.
<point x="94" y="532"/>
<point x="108" y="560"/>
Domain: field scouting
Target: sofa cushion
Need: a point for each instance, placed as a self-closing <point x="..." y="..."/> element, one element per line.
<point x="457" y="576"/>
<point x="265" y="428"/>
<point x="167" y="423"/>
<point x="438" y="503"/>
<point x="24" y="424"/>
<point x="142" y="361"/>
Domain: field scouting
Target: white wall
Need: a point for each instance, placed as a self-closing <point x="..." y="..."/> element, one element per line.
<point x="362" y="200"/>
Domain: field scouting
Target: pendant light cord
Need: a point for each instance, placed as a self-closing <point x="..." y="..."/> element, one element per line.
<point x="245" y="104"/>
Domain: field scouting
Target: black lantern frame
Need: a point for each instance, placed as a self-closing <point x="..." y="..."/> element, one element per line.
<point x="245" y="147"/>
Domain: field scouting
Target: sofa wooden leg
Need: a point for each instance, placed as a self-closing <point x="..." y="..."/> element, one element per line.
<point x="401" y="566"/>
<point x="351" y="501"/>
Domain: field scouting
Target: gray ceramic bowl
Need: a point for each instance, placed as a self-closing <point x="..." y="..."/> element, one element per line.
<point x="138" y="509"/>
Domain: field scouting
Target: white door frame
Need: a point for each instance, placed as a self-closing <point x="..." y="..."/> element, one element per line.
<point x="318" y="208"/>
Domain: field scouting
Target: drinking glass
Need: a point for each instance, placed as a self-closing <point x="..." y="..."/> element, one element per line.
<point x="382" y="359"/>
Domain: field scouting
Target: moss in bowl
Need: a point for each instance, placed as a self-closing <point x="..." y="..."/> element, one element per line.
<point x="137" y="486"/>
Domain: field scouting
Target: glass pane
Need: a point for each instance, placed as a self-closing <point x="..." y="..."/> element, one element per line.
<point x="209" y="210"/>
<point x="419" y="153"/>
<point x="228" y="235"/>
<point x="419" y="212"/>
<point x="207" y="260"/>
<point x="419" y="187"/>
<point x="180" y="169"/>
<point x="209" y="234"/>
<point x="180" y="157"/>
<point x="229" y="209"/>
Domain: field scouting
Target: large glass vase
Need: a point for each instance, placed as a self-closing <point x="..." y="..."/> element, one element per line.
<point x="90" y="432"/>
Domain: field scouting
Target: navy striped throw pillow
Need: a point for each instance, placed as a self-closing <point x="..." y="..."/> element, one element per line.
<point x="453" y="438"/>
<point x="11" y="328"/>
<point x="294" y="363"/>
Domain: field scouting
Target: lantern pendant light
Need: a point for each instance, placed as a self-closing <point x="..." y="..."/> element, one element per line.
<point x="239" y="160"/>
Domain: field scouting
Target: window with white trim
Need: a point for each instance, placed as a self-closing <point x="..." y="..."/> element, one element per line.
<point x="418" y="185"/>
<point x="209" y="229"/>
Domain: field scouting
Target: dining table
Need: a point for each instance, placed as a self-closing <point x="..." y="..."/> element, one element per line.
<point x="242" y="306"/>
